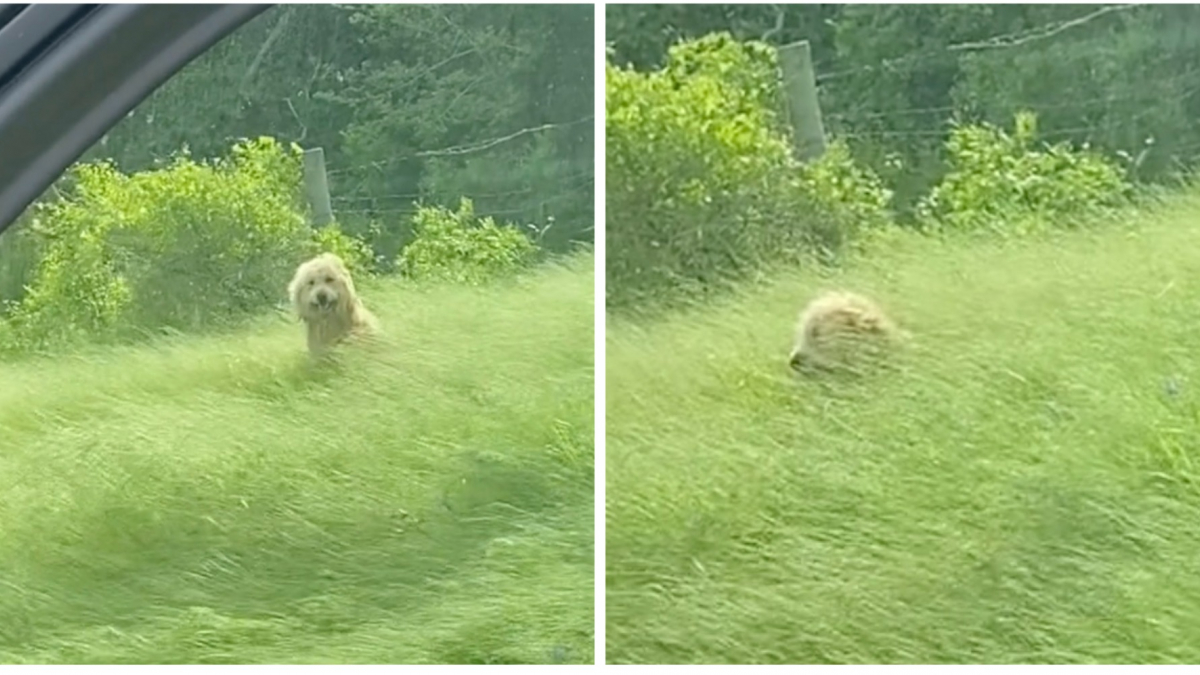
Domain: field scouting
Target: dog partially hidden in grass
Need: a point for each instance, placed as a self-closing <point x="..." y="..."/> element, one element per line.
<point x="323" y="295"/>
<point x="840" y="330"/>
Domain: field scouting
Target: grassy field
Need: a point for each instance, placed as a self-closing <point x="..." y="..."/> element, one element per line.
<point x="213" y="500"/>
<point x="1023" y="485"/>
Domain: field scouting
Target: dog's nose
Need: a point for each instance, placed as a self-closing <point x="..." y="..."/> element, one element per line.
<point x="322" y="298"/>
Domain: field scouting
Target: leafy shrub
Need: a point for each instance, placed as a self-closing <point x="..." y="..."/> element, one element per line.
<point x="20" y="251"/>
<point x="998" y="180"/>
<point x="75" y="295"/>
<point x="185" y="246"/>
<point x="356" y="253"/>
<point x="840" y="185"/>
<point x="534" y="183"/>
<point x="459" y="247"/>
<point x="701" y="183"/>
<point x="1121" y="90"/>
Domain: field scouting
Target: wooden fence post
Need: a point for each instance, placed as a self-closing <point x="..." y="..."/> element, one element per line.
<point x="316" y="187"/>
<point x="800" y="91"/>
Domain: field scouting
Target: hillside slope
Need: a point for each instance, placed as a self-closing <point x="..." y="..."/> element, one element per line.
<point x="218" y="500"/>
<point x="1021" y="487"/>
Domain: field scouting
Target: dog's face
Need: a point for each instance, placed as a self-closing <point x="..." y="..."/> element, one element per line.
<point x="799" y="359"/>
<point x="321" y="286"/>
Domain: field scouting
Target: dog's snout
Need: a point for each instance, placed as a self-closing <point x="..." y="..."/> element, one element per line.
<point x="323" y="297"/>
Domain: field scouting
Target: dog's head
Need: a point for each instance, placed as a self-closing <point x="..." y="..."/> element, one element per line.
<point x="841" y="330"/>
<point x="321" y="286"/>
<point x="799" y="359"/>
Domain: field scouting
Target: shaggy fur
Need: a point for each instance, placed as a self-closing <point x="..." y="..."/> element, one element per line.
<point x="323" y="295"/>
<point x="841" y="329"/>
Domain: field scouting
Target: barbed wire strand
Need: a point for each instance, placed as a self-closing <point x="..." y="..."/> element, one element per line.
<point x="1183" y="81"/>
<point x="904" y="112"/>
<point x="568" y="180"/>
<point x="996" y="41"/>
<point x="458" y="150"/>
<point x="552" y="199"/>
<point x="1013" y="40"/>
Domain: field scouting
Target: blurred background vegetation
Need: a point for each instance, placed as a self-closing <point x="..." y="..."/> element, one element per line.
<point x="1121" y="78"/>
<point x="935" y="116"/>
<point x="200" y="192"/>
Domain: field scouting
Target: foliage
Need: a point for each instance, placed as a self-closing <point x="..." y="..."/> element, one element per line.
<point x="749" y="70"/>
<point x="459" y="247"/>
<point x="388" y="90"/>
<point x="688" y="154"/>
<point x="353" y="251"/>
<point x="1124" y="92"/>
<point x="640" y="35"/>
<point x="840" y="184"/>
<point x="409" y="102"/>
<point x="20" y="251"/>
<point x="536" y="185"/>
<point x="420" y="109"/>
<point x="180" y="247"/>
<point x="898" y="66"/>
<point x="892" y="77"/>
<point x="701" y="184"/>
<point x="997" y="178"/>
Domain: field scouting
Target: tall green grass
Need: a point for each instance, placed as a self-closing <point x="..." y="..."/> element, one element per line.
<point x="1022" y="486"/>
<point x="427" y="499"/>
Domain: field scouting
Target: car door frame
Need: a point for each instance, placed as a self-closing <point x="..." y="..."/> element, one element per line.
<point x="69" y="73"/>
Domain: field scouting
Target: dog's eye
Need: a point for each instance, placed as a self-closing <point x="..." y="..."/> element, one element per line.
<point x="329" y="280"/>
<point x="311" y="282"/>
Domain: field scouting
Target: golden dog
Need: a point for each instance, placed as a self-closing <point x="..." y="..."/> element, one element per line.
<point x="323" y="295"/>
<point x="839" y="329"/>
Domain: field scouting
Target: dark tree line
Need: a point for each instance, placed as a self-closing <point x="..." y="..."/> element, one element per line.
<point x="893" y="78"/>
<point x="408" y="102"/>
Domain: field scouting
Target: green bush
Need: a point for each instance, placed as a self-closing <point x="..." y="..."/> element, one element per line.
<point x="701" y="184"/>
<point x="185" y="247"/>
<point x="356" y="253"/>
<point x="1001" y="181"/>
<point x="1121" y="90"/>
<point x="20" y="251"/>
<point x="840" y="185"/>
<point x="457" y="246"/>
<point x="535" y="183"/>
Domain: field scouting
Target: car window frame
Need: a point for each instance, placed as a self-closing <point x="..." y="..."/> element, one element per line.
<point x="70" y="73"/>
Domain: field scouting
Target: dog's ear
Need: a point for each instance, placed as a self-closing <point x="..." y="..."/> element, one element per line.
<point x="344" y="273"/>
<point x="348" y="301"/>
<point x="293" y="288"/>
